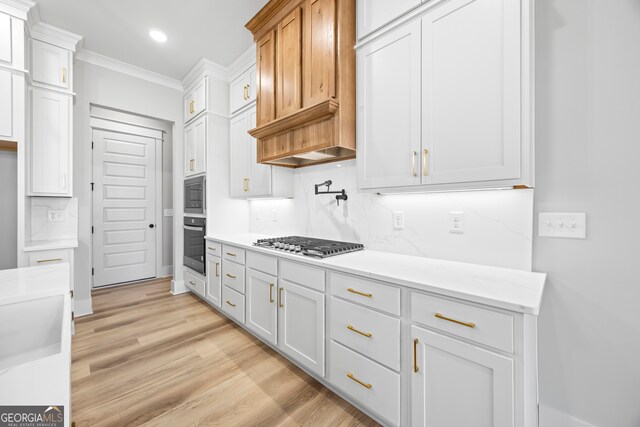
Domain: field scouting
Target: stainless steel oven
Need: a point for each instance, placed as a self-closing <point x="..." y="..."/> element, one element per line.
<point x="194" y="195"/>
<point x="194" y="244"/>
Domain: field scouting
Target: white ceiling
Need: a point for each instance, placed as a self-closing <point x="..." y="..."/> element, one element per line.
<point x="213" y="29"/>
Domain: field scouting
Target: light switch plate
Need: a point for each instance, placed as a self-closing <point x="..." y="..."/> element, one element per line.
<point x="398" y="220"/>
<point x="566" y="225"/>
<point x="168" y="212"/>
<point x="456" y="222"/>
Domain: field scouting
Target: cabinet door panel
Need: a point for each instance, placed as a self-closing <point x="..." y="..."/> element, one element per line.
<point x="301" y="325"/>
<point x="51" y="64"/>
<point x="459" y="385"/>
<point x="239" y="155"/>
<point x="259" y="174"/>
<point x="5" y="38"/>
<point x="373" y="14"/>
<point x="50" y="145"/>
<point x="262" y="311"/>
<point x="389" y="128"/>
<point x="266" y="78"/>
<point x="471" y="91"/>
<point x="288" y="95"/>
<point x="320" y="51"/>
<point x="214" y="280"/>
<point x="7" y="99"/>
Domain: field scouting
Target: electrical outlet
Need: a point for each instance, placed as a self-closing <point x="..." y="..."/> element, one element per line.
<point x="55" y="215"/>
<point x="274" y="215"/>
<point x="456" y="222"/>
<point x="398" y="220"/>
<point x="567" y="225"/>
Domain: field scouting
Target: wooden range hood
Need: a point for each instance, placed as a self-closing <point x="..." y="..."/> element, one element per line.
<point x="306" y="111"/>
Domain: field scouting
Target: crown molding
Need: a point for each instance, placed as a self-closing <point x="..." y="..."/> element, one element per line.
<point x="17" y="8"/>
<point x="242" y="63"/>
<point x="205" y="67"/>
<point x="131" y="70"/>
<point x="56" y="36"/>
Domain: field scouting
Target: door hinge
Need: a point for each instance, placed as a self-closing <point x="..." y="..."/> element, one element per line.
<point x="92" y="186"/>
<point x="92" y="271"/>
<point x="92" y="229"/>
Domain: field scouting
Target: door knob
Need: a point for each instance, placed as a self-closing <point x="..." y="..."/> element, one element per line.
<point x="151" y="225"/>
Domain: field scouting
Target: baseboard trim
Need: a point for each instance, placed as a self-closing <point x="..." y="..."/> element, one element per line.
<point x="82" y="307"/>
<point x="178" y="287"/>
<point x="550" y="417"/>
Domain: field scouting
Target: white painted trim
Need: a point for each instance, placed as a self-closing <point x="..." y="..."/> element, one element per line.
<point x="550" y="417"/>
<point x="17" y="8"/>
<point x="120" y="127"/>
<point x="56" y="36"/>
<point x="159" y="211"/>
<point x="178" y="287"/>
<point x="246" y="60"/>
<point x="202" y="68"/>
<point x="128" y="69"/>
<point x="82" y="307"/>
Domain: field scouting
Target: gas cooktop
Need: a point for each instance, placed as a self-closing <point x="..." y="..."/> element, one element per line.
<point x="309" y="246"/>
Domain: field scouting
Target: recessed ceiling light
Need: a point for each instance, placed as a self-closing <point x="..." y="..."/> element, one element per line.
<point x="157" y="35"/>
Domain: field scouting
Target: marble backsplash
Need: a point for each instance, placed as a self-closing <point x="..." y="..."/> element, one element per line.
<point x="41" y="229"/>
<point x="498" y="224"/>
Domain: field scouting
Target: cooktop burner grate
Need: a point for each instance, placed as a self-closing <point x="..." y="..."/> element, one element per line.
<point x="309" y="246"/>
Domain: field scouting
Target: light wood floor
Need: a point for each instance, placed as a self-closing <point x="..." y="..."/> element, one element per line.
<point x="148" y="357"/>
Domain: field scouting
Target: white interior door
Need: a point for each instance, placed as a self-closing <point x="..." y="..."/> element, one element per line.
<point x="124" y="208"/>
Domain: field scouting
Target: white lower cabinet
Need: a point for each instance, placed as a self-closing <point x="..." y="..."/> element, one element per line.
<point x="194" y="282"/>
<point x="456" y="384"/>
<point x="262" y="310"/>
<point x="214" y="279"/>
<point x="301" y="325"/>
<point x="233" y="303"/>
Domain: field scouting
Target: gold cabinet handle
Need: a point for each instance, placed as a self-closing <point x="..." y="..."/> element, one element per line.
<point x="192" y="284"/>
<point x="64" y="74"/>
<point x="365" y="334"/>
<point x="448" y="319"/>
<point x="230" y="303"/>
<point x="414" y="156"/>
<point x="425" y="170"/>
<point x="211" y="249"/>
<point x="217" y="269"/>
<point x="353" y="291"/>
<point x="231" y="254"/>
<point x="246" y="184"/>
<point x="271" y="285"/>
<point x="246" y="92"/>
<point x="365" y="385"/>
<point x="192" y="164"/>
<point x="192" y="106"/>
<point x="415" y="355"/>
<point x="40" y="261"/>
<point x="231" y="276"/>
<point x="280" y="298"/>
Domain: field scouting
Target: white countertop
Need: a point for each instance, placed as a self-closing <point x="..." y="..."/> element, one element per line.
<point x="44" y="245"/>
<point x="514" y="290"/>
<point x="44" y="380"/>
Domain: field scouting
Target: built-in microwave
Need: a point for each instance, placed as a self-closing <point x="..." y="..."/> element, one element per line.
<point x="194" y="195"/>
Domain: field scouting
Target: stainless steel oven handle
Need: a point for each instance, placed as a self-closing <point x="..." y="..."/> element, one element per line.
<point x="190" y="227"/>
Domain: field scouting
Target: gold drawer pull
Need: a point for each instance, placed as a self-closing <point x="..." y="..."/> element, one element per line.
<point x="353" y="291"/>
<point x="231" y="254"/>
<point x="217" y="269"/>
<point x="49" y="260"/>
<point x="211" y="249"/>
<point x="271" y="285"/>
<point x="365" y="385"/>
<point x="467" y="324"/>
<point x="366" y="334"/>
<point x="230" y="303"/>
<point x="415" y="355"/>
<point x="231" y="276"/>
<point x="192" y="284"/>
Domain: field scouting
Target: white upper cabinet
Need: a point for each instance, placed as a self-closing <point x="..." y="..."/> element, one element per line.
<point x="8" y="106"/>
<point x="248" y="178"/>
<point x="12" y="39"/>
<point x="471" y="101"/>
<point x="463" y="68"/>
<point x="374" y="14"/>
<point x="243" y="90"/>
<point x="195" y="141"/>
<point x="5" y="38"/>
<point x="195" y="101"/>
<point x="458" y="384"/>
<point x="388" y="116"/>
<point x="51" y="65"/>
<point x="50" y="154"/>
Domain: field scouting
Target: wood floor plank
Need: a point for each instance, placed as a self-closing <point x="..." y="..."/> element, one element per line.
<point x="147" y="357"/>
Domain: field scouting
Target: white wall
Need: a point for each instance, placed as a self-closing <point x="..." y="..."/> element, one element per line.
<point x="8" y="209"/>
<point x="104" y="87"/>
<point x="588" y="148"/>
<point x="497" y="223"/>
